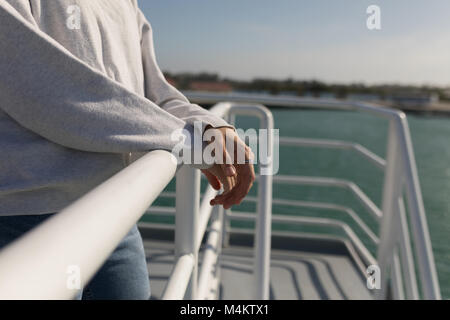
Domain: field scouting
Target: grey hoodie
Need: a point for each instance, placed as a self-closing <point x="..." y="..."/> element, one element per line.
<point x="77" y="98"/>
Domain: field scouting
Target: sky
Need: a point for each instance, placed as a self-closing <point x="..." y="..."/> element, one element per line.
<point x="326" y="40"/>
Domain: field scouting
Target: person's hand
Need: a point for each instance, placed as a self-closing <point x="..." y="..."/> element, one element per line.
<point x="236" y="172"/>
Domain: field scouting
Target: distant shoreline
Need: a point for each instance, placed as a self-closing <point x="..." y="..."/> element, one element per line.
<point x="417" y="112"/>
<point x="435" y="109"/>
<point x="208" y="99"/>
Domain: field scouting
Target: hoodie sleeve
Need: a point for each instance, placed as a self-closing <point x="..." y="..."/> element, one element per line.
<point x="49" y="91"/>
<point x="163" y="93"/>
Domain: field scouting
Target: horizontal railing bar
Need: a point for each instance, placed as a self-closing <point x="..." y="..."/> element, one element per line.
<point x="294" y="203"/>
<point x="367" y="256"/>
<point x="377" y="160"/>
<point x="328" y="206"/>
<point x="179" y="278"/>
<point x="267" y="100"/>
<point x="161" y="210"/>
<point x="83" y="235"/>
<point x="348" y="211"/>
<point x="334" y="144"/>
<point x="332" y="182"/>
<point x="295" y="102"/>
<point x="319" y="181"/>
<point x="171" y="194"/>
<point x="290" y="234"/>
<point x="168" y="194"/>
<point x="156" y="225"/>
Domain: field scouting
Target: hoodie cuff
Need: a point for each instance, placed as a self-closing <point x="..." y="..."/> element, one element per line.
<point x="194" y="146"/>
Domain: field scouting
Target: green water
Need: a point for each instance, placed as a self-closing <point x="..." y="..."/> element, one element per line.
<point x="430" y="137"/>
<point x="431" y="141"/>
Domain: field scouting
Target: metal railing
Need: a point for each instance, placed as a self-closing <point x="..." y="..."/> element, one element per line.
<point x="83" y="235"/>
<point x="38" y="265"/>
<point x="192" y="220"/>
<point x="395" y="255"/>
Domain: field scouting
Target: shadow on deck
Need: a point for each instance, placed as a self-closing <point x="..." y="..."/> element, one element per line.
<point x="301" y="268"/>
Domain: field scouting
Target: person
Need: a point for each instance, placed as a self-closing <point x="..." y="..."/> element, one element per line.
<point x="81" y="93"/>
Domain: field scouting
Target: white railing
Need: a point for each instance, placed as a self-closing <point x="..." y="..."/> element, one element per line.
<point x="395" y="255"/>
<point x="84" y="234"/>
<point x="38" y="265"/>
<point x="191" y="222"/>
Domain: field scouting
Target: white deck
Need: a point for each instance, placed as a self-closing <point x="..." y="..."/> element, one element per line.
<point x="314" y="272"/>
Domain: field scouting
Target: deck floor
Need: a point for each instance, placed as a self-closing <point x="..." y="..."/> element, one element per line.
<point x="294" y="274"/>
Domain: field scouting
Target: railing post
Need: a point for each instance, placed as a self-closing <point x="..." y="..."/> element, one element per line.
<point x="419" y="225"/>
<point x="264" y="210"/>
<point x="262" y="239"/>
<point x="391" y="193"/>
<point x="226" y="226"/>
<point x="186" y="220"/>
<point x="405" y="252"/>
<point x="401" y="170"/>
<point x="397" y="279"/>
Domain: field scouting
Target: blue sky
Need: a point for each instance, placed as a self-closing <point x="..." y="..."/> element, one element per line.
<point x="303" y="39"/>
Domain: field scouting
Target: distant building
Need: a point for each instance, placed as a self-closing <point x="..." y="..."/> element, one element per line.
<point x="415" y="99"/>
<point x="210" y="86"/>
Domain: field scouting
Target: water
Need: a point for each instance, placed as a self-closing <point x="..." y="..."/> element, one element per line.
<point x="430" y="137"/>
<point x="431" y="141"/>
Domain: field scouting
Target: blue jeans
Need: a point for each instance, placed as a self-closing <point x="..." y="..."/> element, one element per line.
<point x="123" y="276"/>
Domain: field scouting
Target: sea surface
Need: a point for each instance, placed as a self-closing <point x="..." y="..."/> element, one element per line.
<point x="431" y="141"/>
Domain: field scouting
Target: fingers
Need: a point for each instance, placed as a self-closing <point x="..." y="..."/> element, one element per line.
<point x="221" y="199"/>
<point x="228" y="182"/>
<point x="242" y="152"/>
<point x="228" y="185"/>
<point x="242" y="188"/>
<point x="245" y="174"/>
<point x="244" y="182"/>
<point x="228" y="169"/>
<point x="227" y="176"/>
<point x="212" y="179"/>
<point x="237" y="179"/>
<point x="227" y="165"/>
